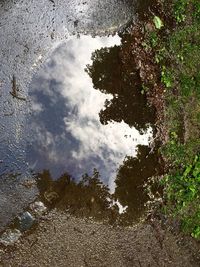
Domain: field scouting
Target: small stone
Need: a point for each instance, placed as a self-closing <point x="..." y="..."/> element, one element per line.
<point x="38" y="207"/>
<point x="26" y="221"/>
<point x="9" y="237"/>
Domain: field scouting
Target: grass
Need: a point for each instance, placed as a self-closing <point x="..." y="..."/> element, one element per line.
<point x="182" y="189"/>
<point x="178" y="55"/>
<point x="182" y="80"/>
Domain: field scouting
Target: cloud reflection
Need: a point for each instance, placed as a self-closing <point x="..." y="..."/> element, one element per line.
<point x="66" y="132"/>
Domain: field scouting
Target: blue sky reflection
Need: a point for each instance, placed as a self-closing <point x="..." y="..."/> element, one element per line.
<point x="66" y="132"/>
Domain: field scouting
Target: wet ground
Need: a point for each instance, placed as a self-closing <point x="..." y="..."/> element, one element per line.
<point x="62" y="240"/>
<point x="63" y="111"/>
<point x="77" y="140"/>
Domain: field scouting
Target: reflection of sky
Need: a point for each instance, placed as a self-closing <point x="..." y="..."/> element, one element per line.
<point x="66" y="132"/>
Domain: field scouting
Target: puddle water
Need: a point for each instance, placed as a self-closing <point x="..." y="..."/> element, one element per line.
<point x="88" y="118"/>
<point x="65" y="123"/>
<point x="81" y="119"/>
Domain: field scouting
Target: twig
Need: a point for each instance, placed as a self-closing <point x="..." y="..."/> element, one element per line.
<point x="15" y="90"/>
<point x="9" y="114"/>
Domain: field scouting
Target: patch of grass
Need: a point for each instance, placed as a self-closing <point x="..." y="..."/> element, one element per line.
<point x="179" y="59"/>
<point x="182" y="76"/>
<point x="166" y="77"/>
<point x="182" y="189"/>
<point x="177" y="53"/>
<point x="196" y="8"/>
<point x="186" y="9"/>
<point x="180" y="7"/>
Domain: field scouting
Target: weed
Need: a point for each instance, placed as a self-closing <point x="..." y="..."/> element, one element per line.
<point x="180" y="64"/>
<point x="153" y="37"/>
<point x="183" y="196"/>
<point x="166" y="77"/>
<point x="180" y="7"/>
<point x="144" y="89"/>
<point x="160" y="54"/>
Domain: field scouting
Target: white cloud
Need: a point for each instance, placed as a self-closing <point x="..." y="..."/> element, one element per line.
<point x="111" y="142"/>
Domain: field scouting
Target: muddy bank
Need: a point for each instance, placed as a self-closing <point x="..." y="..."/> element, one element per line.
<point x="147" y="53"/>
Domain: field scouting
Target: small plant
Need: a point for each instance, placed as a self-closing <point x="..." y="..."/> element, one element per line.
<point x="146" y="45"/>
<point x="196" y="232"/>
<point x="144" y="89"/>
<point x="183" y="196"/>
<point x="159" y="56"/>
<point x="180" y="7"/>
<point x="158" y="22"/>
<point x="166" y="77"/>
<point x="153" y="39"/>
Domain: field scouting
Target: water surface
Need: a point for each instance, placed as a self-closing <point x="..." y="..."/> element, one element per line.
<point x="66" y="132"/>
<point x="29" y="31"/>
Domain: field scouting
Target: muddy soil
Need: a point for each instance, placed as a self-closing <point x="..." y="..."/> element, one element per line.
<point x="62" y="240"/>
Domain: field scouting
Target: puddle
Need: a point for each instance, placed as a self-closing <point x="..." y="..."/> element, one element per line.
<point x="67" y="135"/>
<point x="88" y="118"/>
<point x="82" y="140"/>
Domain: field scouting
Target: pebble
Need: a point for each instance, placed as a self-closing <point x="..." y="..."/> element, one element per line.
<point x="26" y="221"/>
<point x="9" y="237"/>
<point x="38" y="207"/>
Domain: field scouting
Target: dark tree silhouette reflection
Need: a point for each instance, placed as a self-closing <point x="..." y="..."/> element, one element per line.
<point x="113" y="72"/>
<point x="91" y="198"/>
<point x="130" y="182"/>
<point x="87" y="198"/>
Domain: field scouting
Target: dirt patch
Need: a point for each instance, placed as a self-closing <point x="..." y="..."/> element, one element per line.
<point x="62" y="240"/>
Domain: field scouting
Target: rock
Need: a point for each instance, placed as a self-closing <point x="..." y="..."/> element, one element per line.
<point x="26" y="221"/>
<point x="9" y="237"/>
<point x="38" y="207"/>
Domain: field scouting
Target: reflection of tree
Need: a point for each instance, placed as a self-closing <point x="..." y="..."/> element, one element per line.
<point x="114" y="73"/>
<point x="89" y="197"/>
<point x="130" y="180"/>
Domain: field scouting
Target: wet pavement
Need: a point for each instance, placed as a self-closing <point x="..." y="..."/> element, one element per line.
<point x="66" y="116"/>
